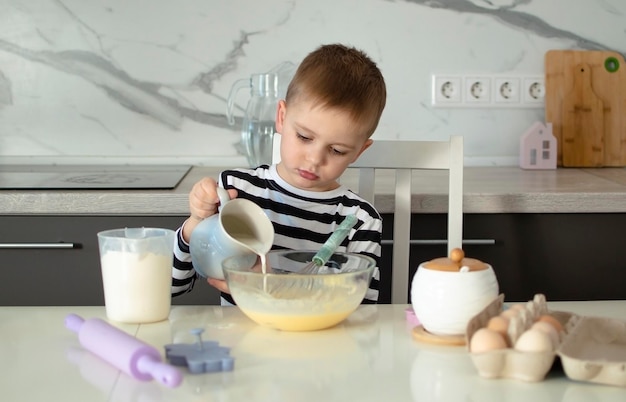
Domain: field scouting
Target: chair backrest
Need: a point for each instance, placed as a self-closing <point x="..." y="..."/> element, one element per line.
<point x="404" y="157"/>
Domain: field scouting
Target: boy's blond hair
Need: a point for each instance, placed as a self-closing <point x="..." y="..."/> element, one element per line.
<point x="342" y="77"/>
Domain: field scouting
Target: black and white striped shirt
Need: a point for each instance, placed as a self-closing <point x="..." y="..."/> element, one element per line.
<point x="302" y="220"/>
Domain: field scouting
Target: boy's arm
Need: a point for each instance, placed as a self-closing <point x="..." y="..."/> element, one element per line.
<point x="183" y="274"/>
<point x="367" y="240"/>
<point x="203" y="202"/>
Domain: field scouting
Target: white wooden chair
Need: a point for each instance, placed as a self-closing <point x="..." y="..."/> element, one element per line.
<point x="404" y="157"/>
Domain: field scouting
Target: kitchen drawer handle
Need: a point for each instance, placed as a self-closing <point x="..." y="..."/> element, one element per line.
<point x="472" y="242"/>
<point x="38" y="245"/>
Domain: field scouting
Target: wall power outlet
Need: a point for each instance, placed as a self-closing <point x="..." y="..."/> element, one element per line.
<point x="488" y="91"/>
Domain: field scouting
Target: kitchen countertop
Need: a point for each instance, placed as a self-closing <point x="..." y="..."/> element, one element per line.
<point x="486" y="190"/>
<point x="371" y="356"/>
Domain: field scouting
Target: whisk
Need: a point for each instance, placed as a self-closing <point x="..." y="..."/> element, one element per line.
<point x="329" y="246"/>
<point x="296" y="289"/>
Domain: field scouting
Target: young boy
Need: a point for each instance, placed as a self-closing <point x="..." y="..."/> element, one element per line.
<point x="332" y="107"/>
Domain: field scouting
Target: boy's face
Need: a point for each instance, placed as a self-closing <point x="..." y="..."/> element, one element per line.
<point x="317" y="144"/>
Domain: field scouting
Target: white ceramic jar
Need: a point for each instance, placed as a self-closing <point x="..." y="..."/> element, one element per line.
<point x="445" y="301"/>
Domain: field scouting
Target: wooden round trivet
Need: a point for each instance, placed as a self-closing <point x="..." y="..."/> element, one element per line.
<point x="420" y="334"/>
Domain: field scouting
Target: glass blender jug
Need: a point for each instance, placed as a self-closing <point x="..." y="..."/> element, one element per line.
<point x="258" y="127"/>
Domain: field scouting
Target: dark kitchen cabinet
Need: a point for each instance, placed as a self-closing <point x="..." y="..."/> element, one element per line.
<point x="564" y="256"/>
<point x="34" y="274"/>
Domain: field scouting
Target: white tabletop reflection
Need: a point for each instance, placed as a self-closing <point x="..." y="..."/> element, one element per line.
<point x="372" y="356"/>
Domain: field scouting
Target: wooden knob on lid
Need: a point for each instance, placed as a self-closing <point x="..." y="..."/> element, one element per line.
<point x="457" y="255"/>
<point x="455" y="262"/>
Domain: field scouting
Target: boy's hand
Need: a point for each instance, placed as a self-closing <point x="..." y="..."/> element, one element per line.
<point x="222" y="286"/>
<point x="219" y="284"/>
<point x="203" y="202"/>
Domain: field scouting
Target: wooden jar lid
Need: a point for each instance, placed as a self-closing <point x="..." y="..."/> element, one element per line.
<point x="455" y="262"/>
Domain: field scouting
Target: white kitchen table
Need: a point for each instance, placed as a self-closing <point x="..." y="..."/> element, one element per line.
<point x="372" y="356"/>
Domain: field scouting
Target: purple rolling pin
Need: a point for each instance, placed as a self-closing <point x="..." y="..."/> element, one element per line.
<point x="136" y="358"/>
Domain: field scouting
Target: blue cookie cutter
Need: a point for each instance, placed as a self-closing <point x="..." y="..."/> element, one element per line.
<point x="200" y="357"/>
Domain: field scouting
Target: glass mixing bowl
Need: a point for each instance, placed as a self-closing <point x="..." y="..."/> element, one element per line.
<point x="286" y="300"/>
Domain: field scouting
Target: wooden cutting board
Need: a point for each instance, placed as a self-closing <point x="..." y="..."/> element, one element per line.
<point x="586" y="103"/>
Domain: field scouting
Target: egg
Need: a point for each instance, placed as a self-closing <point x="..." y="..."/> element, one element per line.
<point x="548" y="329"/>
<point x="485" y="340"/>
<point x="552" y="321"/>
<point x="534" y="340"/>
<point x="500" y="325"/>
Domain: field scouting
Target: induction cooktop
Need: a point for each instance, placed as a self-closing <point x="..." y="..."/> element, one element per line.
<point x="41" y="177"/>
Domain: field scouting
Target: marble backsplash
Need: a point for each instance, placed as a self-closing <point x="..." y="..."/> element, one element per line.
<point x="95" y="81"/>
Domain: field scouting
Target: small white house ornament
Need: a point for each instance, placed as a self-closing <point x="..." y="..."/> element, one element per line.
<point x="538" y="147"/>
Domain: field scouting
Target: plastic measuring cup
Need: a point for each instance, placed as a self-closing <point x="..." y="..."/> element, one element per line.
<point x="136" y="268"/>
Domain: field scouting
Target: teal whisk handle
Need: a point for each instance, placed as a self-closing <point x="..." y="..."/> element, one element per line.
<point x="329" y="247"/>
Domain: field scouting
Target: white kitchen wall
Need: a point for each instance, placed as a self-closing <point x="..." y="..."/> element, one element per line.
<point x="120" y="81"/>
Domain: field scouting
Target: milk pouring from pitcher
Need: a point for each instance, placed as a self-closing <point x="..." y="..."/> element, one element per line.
<point x="258" y="127"/>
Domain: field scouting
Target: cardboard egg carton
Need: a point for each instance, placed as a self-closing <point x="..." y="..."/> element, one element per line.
<point x="595" y="351"/>
<point x="591" y="349"/>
